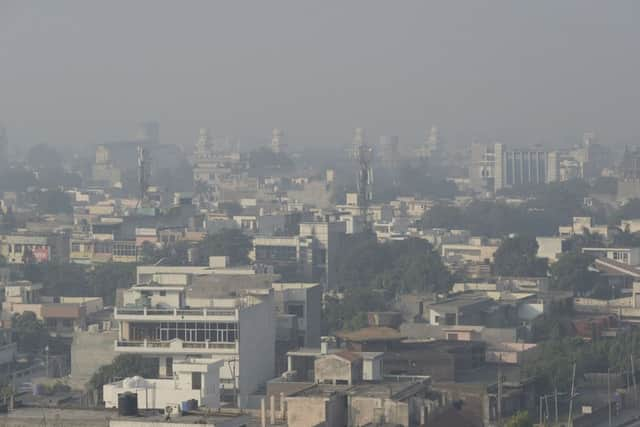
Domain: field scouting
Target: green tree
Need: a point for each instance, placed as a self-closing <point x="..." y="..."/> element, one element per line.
<point x="626" y="238"/>
<point x="443" y="216"/>
<point x="350" y="311"/>
<point x="123" y="366"/>
<point x="58" y="279"/>
<point x="517" y="256"/>
<point x="520" y="419"/>
<point x="571" y="273"/>
<point x="630" y="210"/>
<point x="30" y="333"/>
<point x="53" y="202"/>
<point x="228" y="242"/>
<point x="105" y="279"/>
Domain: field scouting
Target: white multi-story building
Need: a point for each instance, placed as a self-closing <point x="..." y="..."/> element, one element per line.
<point x="179" y="319"/>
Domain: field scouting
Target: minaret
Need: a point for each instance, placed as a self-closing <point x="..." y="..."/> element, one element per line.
<point x="204" y="146"/>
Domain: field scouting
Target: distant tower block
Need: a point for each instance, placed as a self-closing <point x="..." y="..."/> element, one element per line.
<point x="358" y="141"/>
<point x="149" y="132"/>
<point x="277" y="136"/>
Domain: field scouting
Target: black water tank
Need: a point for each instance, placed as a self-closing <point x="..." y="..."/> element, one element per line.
<point x="128" y="404"/>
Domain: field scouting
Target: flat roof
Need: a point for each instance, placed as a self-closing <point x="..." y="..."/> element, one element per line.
<point x="383" y="389"/>
<point x="372" y="333"/>
<point x="225" y="285"/>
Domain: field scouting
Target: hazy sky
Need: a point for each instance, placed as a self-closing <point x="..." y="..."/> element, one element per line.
<point x="518" y="71"/>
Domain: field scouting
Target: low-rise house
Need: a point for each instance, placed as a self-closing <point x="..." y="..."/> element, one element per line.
<point x="405" y="403"/>
<point x="193" y="379"/>
<point x="552" y="248"/>
<point x="21" y="247"/>
<point x="581" y="225"/>
<point x="477" y="250"/>
<point x="228" y="317"/>
<point x="623" y="255"/>
<point x="61" y="315"/>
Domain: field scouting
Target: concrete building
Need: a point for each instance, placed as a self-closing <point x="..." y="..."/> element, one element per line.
<point x="90" y="350"/>
<point x="476" y="250"/>
<point x="39" y="247"/>
<point x="291" y="256"/>
<point x="496" y="167"/>
<point x="330" y="236"/>
<point x="629" y="175"/>
<point x="339" y="368"/>
<point x="552" y="248"/>
<point x="388" y="403"/>
<point x="215" y="316"/>
<point x="581" y="225"/>
<point x="61" y="315"/>
<point x="304" y="302"/>
<point x="193" y="378"/>
<point x="628" y="256"/>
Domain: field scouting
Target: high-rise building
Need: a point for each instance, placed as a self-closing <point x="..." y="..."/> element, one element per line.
<point x="496" y="167"/>
<point x="523" y="166"/>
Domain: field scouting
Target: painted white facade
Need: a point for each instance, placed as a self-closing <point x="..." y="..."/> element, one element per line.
<point x="197" y="379"/>
<point x="629" y="256"/>
<point x="169" y="324"/>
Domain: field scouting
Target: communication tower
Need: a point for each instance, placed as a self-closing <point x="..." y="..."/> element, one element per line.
<point x="363" y="154"/>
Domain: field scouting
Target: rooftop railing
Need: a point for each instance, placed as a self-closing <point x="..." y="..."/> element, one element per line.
<point x="176" y="312"/>
<point x="177" y="345"/>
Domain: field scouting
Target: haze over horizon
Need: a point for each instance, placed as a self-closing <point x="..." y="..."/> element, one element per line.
<point x="76" y="72"/>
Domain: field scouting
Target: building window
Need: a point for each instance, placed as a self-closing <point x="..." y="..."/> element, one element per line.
<point x="224" y="332"/>
<point x="196" y="381"/>
<point x="296" y="309"/>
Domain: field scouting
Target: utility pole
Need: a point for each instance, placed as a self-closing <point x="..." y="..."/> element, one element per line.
<point x="500" y="392"/>
<point x="555" y="397"/>
<point x="633" y="377"/>
<point x="609" y="393"/>
<point x="573" y="381"/>
<point x="540" y="410"/>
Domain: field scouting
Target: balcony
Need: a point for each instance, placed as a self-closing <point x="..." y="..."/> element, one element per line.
<point x="147" y="313"/>
<point x="176" y="347"/>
